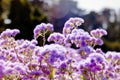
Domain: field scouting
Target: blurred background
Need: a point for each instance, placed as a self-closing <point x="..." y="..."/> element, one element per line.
<point x="26" y="14"/>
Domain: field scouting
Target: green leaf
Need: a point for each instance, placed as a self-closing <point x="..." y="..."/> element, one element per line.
<point x="83" y="77"/>
<point x="52" y="73"/>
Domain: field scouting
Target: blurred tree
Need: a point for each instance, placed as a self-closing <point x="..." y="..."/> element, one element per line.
<point x="60" y="14"/>
<point x="0" y="7"/>
<point x="25" y="17"/>
<point x="37" y="17"/>
<point x="1" y="20"/>
<point x="20" y="17"/>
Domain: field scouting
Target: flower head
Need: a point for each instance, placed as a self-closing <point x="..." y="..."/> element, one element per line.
<point x="9" y="33"/>
<point x="71" y="24"/>
<point x="98" y="33"/>
<point x="42" y="29"/>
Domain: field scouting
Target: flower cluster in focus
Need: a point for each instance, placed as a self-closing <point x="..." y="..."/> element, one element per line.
<point x="25" y="60"/>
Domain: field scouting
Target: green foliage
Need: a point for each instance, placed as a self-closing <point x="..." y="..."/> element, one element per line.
<point x="23" y="15"/>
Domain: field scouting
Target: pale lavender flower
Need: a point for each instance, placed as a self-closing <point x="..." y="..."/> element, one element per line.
<point x="42" y="29"/>
<point x="9" y="33"/>
<point x="71" y="24"/>
<point x="104" y="78"/>
<point x="50" y="27"/>
<point x="1" y="72"/>
<point x="15" y="32"/>
<point x="99" y="41"/>
<point x="112" y="55"/>
<point x="35" y="42"/>
<point x="58" y="38"/>
<point x="8" y="70"/>
<point x="20" y="69"/>
<point x="54" y="53"/>
<point x="39" y="29"/>
<point x="78" y="21"/>
<point x="37" y="73"/>
<point x="42" y="79"/>
<point x="98" y="33"/>
<point x="98" y="57"/>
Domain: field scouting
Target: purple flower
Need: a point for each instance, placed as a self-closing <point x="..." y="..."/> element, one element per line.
<point x="25" y="44"/>
<point x="83" y="44"/>
<point x="42" y="29"/>
<point x="32" y="46"/>
<point x="1" y="72"/>
<point x="50" y="27"/>
<point x="98" y="57"/>
<point x="99" y="41"/>
<point x="42" y="79"/>
<point x="35" y="42"/>
<point x="104" y="78"/>
<point x="69" y="61"/>
<point x="9" y="33"/>
<point x="71" y="24"/>
<point x="89" y="49"/>
<point x="20" y="69"/>
<point x="112" y="55"/>
<point x="63" y="66"/>
<point x="58" y="38"/>
<point x="98" y="33"/>
<point x="68" y="24"/>
<point x="52" y="58"/>
<point x="55" y="56"/>
<point x="9" y="71"/>
<point x="36" y="73"/>
<point x="2" y="57"/>
<point x="25" y="60"/>
<point x="78" y="21"/>
<point x="15" y="32"/>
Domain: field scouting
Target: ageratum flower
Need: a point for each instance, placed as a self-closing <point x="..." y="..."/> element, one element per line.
<point x="20" y="69"/>
<point x="41" y="29"/>
<point x="35" y="42"/>
<point x="1" y="72"/>
<point x="9" y="33"/>
<point x="99" y="61"/>
<point x="79" y="37"/>
<point x="62" y="68"/>
<point x="98" y="57"/>
<point x="58" y="38"/>
<point x="98" y="33"/>
<point x="37" y="73"/>
<point x="99" y="41"/>
<point x="25" y="60"/>
<point x="112" y="55"/>
<point x="104" y="78"/>
<point x="71" y="24"/>
<point x="42" y="78"/>
<point x="53" y="53"/>
<point x="50" y="27"/>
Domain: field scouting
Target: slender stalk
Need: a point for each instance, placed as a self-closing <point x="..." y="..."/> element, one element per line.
<point x="91" y="76"/>
<point x="17" y="54"/>
<point x="44" y="40"/>
<point x="94" y="76"/>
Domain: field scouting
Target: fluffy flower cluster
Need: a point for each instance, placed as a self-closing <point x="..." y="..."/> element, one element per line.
<point x="58" y="38"/>
<point x="71" y="24"/>
<point x="41" y="29"/>
<point x="98" y="33"/>
<point x="9" y="32"/>
<point x="24" y="60"/>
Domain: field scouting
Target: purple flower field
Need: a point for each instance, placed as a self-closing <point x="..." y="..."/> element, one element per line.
<point x="25" y="60"/>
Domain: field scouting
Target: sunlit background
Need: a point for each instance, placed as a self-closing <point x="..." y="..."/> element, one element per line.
<point x="26" y="14"/>
<point x="98" y="5"/>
